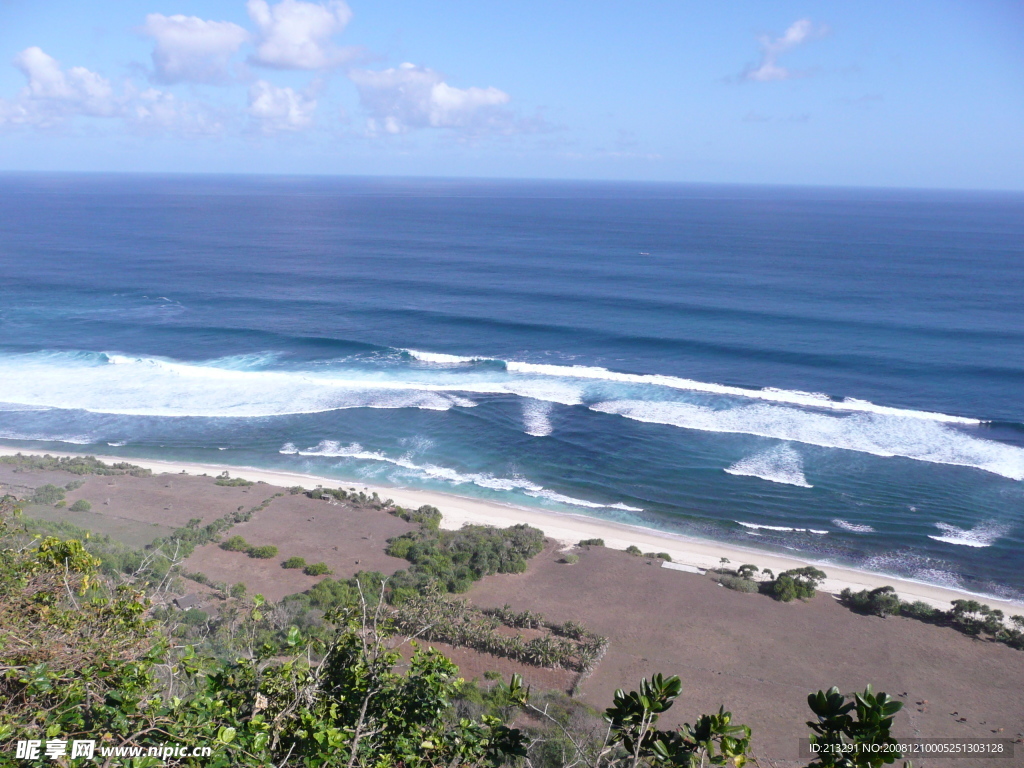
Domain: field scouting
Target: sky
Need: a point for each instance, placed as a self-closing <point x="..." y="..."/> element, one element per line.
<point x="916" y="93"/>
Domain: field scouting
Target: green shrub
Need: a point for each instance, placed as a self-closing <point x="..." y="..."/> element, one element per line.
<point x="921" y="611"/>
<point x="48" y="494"/>
<point x="296" y="489"/>
<point x="634" y="550"/>
<point x="882" y="601"/>
<point x="570" y="559"/>
<point x="592" y="543"/>
<point x="226" y="479"/>
<point x="74" y="485"/>
<point x="316" y="569"/>
<point x="665" y="556"/>
<point x="60" y="504"/>
<point x="235" y="544"/>
<point x="793" y="584"/>
<point x="294" y="562"/>
<point x="738" y="583"/>
<point x="81" y="506"/>
<point x="747" y="571"/>
<point x="455" y="559"/>
<point x="265" y="552"/>
<point x="238" y="590"/>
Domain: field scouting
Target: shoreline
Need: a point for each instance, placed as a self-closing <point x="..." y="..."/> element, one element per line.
<point x="569" y="528"/>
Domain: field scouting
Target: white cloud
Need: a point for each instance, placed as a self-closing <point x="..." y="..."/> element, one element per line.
<point x="160" y="111"/>
<point x="297" y="35"/>
<point x="53" y="96"/>
<point x="769" y="69"/>
<point x="408" y="97"/>
<point x="52" y="93"/>
<point x="279" y="109"/>
<point x="191" y="49"/>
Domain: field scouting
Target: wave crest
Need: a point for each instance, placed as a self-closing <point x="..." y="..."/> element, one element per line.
<point x="780" y="464"/>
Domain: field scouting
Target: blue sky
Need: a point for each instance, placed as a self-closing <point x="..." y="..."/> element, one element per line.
<point x="916" y="94"/>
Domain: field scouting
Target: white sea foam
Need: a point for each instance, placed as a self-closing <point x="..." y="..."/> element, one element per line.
<point x="441" y="358"/>
<point x="983" y="535"/>
<point x="6" y="434"/>
<point x="333" y="449"/>
<point x="853" y="527"/>
<point x="117" y="444"/>
<point x="780" y="464"/>
<point x="787" y="396"/>
<point x="780" y="528"/>
<point x="537" y="417"/>
<point x="868" y="433"/>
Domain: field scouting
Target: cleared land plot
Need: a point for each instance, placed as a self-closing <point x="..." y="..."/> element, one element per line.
<point x="761" y="658"/>
<point x="131" y="532"/>
<point x="348" y="540"/>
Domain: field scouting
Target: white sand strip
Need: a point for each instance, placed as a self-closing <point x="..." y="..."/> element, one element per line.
<point x="571" y="528"/>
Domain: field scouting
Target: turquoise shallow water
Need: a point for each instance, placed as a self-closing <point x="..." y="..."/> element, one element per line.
<point x="835" y="373"/>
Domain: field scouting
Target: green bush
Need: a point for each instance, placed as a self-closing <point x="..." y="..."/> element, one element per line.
<point x="738" y="583"/>
<point x="48" y="494"/>
<point x="882" y="601"/>
<point x="570" y="559"/>
<point x="592" y="543"/>
<point x="265" y="552"/>
<point x="238" y="590"/>
<point x="921" y="611"/>
<point x="296" y="489"/>
<point x="455" y="559"/>
<point x="798" y="583"/>
<point x="294" y="562"/>
<point x="81" y="506"/>
<point x="316" y="569"/>
<point x="634" y="550"/>
<point x="74" y="485"/>
<point x="226" y="479"/>
<point x="235" y="544"/>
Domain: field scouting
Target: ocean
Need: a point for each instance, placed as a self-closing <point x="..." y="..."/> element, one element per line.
<point x="830" y="373"/>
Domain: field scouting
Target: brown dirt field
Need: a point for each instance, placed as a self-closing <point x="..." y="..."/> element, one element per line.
<point x="761" y="658"/>
<point x="347" y="539"/>
<point x="167" y="500"/>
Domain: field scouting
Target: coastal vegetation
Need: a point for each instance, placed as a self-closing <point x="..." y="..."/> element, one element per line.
<point x="794" y="584"/>
<point x="80" y="506"/>
<point x="76" y="465"/>
<point x="967" y="616"/>
<point x="455" y="559"/>
<point x="316" y="569"/>
<point x="232" y="482"/>
<point x="96" y="657"/>
<point x="294" y="562"/>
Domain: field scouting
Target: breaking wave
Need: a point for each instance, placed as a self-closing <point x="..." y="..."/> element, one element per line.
<point x="867" y="433"/>
<point x="853" y="527"/>
<point x="780" y="464"/>
<point x="984" y="535"/>
<point x="333" y="449"/>
<point x="779" y="528"/>
<point x="262" y="385"/>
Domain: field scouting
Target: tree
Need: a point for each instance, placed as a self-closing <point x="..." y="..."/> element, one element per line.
<point x="294" y="562"/>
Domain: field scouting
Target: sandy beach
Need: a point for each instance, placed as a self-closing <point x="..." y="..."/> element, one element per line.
<point x="568" y="529"/>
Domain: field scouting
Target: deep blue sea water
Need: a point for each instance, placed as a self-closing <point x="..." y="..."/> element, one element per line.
<point x="834" y="373"/>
